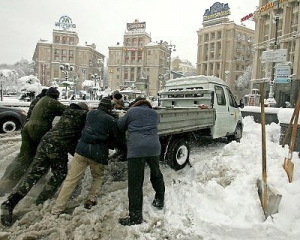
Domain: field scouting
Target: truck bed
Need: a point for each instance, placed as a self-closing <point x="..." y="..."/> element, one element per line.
<point x="180" y="120"/>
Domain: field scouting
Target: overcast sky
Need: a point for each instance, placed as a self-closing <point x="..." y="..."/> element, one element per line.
<point x="104" y="22"/>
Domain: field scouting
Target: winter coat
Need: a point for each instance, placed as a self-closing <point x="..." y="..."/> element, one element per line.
<point x="97" y="136"/>
<point x="63" y="137"/>
<point x="118" y="103"/>
<point x="32" y="104"/>
<point x="141" y="122"/>
<point x="42" y="116"/>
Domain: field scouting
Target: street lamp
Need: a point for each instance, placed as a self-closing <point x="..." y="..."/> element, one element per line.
<point x="66" y="69"/>
<point x="1" y="81"/>
<point x="96" y="79"/>
<point x="171" y="48"/>
<point x="226" y="76"/>
<point x="271" y="100"/>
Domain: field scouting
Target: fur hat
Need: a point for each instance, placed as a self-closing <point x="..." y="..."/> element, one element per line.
<point x="79" y="105"/>
<point x="105" y="104"/>
<point x="52" y="92"/>
<point x="141" y="101"/>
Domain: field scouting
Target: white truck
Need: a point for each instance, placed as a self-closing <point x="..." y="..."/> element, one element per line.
<point x="191" y="106"/>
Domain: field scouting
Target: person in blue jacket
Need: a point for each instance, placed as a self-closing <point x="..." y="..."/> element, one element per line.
<point x="143" y="146"/>
<point x="99" y="134"/>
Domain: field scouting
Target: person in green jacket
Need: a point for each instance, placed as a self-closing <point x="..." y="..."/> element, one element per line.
<point x="40" y="122"/>
<point x="52" y="153"/>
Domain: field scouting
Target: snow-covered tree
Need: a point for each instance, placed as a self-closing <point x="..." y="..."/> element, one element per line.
<point x="243" y="82"/>
<point x="8" y="80"/>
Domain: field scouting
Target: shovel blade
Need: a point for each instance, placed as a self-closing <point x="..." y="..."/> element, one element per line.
<point x="288" y="166"/>
<point x="268" y="197"/>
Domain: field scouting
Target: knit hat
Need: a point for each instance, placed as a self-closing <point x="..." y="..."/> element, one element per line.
<point x="52" y="92"/>
<point x="105" y="104"/>
<point x="117" y="95"/>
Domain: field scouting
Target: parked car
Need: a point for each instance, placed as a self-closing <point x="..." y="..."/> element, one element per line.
<point x="11" y="119"/>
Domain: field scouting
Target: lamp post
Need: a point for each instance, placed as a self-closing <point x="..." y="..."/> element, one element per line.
<point x="226" y="76"/>
<point x="271" y="100"/>
<point x="171" y="48"/>
<point x="1" y="81"/>
<point x="96" y="79"/>
<point x="66" y="69"/>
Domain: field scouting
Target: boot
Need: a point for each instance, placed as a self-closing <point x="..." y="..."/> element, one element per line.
<point x="159" y="199"/>
<point x="133" y="219"/>
<point x="158" y="203"/>
<point x="89" y="204"/>
<point x="7" y="208"/>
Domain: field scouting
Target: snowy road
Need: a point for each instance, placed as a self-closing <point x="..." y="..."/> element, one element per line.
<point x="215" y="199"/>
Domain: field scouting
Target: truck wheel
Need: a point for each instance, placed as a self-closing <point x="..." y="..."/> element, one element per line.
<point x="238" y="133"/>
<point x="9" y="125"/>
<point x="178" y="154"/>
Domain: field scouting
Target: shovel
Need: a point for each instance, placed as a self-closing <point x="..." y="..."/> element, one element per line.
<point x="288" y="165"/>
<point x="269" y="197"/>
<point x="288" y="131"/>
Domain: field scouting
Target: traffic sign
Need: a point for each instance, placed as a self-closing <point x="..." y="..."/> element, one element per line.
<point x="278" y="55"/>
<point x="282" y="73"/>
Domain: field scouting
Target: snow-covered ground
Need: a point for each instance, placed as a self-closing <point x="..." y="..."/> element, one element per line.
<point x="216" y="198"/>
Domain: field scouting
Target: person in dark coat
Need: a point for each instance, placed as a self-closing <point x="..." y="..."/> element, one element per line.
<point x="40" y="122"/>
<point x="34" y="102"/>
<point x="98" y="135"/>
<point x="143" y="146"/>
<point x="52" y="152"/>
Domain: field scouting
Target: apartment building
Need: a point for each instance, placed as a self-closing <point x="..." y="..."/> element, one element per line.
<point x="138" y="63"/>
<point x="277" y="25"/>
<point x="65" y="48"/>
<point x="224" y="48"/>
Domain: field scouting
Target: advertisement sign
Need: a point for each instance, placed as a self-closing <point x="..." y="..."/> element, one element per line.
<point x="65" y="22"/>
<point x="217" y="10"/>
<point x="136" y="26"/>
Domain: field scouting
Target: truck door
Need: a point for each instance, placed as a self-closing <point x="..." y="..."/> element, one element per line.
<point x="233" y="111"/>
<point x="222" y="113"/>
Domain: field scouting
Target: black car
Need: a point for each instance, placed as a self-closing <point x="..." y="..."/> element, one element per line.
<point x="11" y="119"/>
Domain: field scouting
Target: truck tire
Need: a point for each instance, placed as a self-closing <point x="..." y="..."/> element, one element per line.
<point x="238" y="133"/>
<point x="9" y="125"/>
<point x="178" y="154"/>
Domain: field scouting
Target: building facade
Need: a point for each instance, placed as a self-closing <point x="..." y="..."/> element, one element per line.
<point x="224" y="48"/>
<point x="66" y="49"/>
<point x="277" y="25"/>
<point x="139" y="63"/>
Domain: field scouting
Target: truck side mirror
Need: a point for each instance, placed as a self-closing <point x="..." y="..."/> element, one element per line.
<point x="241" y="105"/>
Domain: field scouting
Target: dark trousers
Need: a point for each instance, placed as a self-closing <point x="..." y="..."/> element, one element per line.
<point x="136" y="167"/>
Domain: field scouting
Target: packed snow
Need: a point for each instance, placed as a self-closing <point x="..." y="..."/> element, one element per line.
<point x="214" y="198"/>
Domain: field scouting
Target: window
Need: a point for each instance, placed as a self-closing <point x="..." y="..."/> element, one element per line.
<point x="232" y="101"/>
<point x="220" y="95"/>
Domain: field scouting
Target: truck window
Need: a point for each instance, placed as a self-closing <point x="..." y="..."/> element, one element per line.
<point x="232" y="100"/>
<point x="220" y="94"/>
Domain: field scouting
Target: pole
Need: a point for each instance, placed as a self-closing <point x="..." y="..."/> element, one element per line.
<point x="272" y="82"/>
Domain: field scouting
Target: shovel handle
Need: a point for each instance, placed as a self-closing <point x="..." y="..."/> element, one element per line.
<point x="296" y="110"/>
<point x="263" y="133"/>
